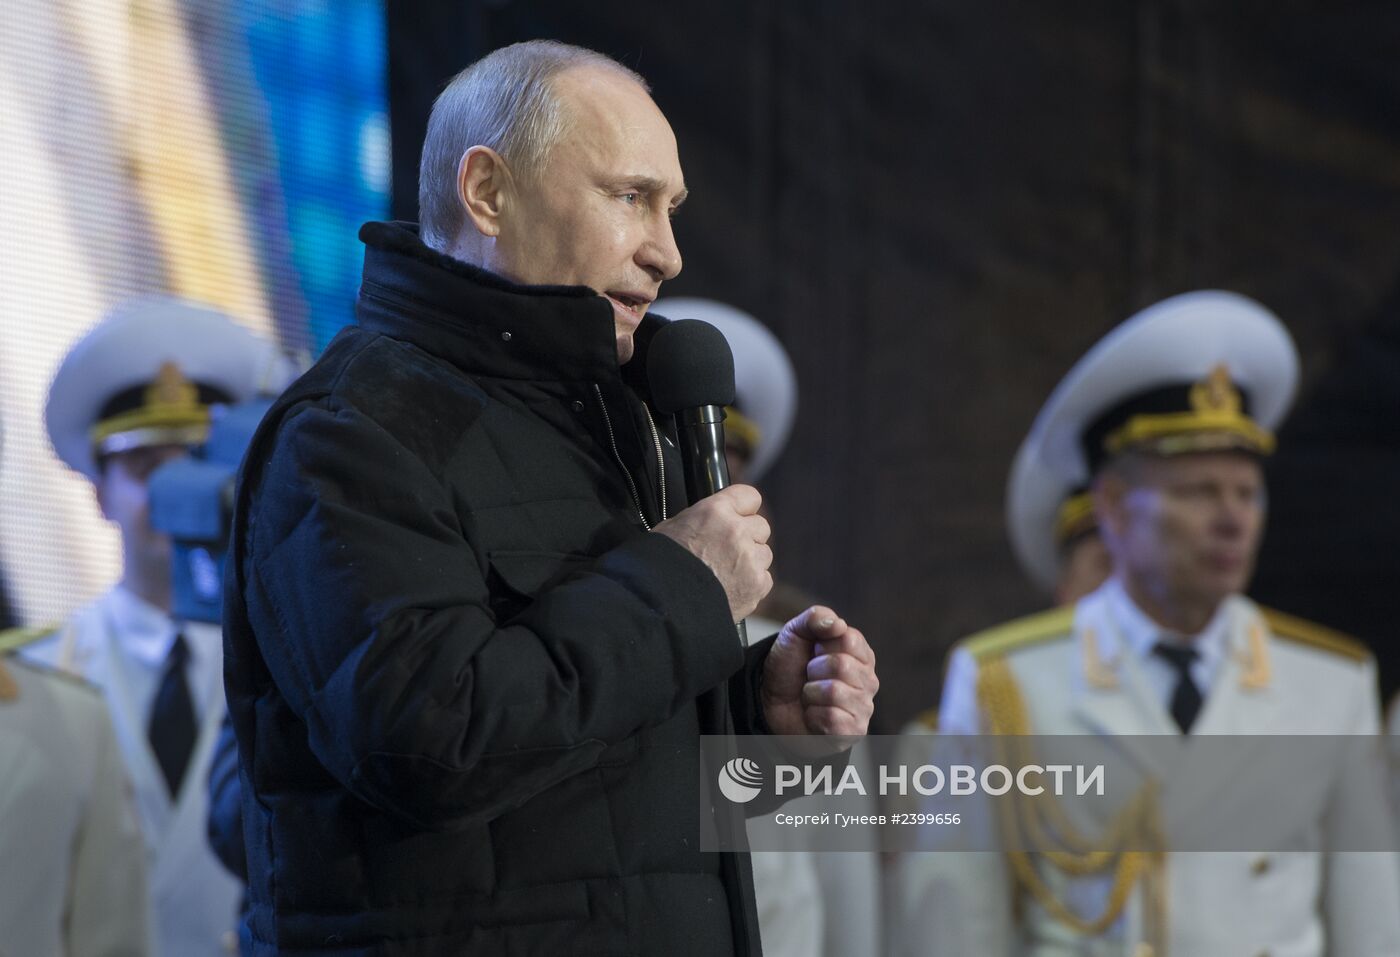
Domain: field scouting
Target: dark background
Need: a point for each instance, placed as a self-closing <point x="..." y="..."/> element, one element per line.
<point x="938" y="207"/>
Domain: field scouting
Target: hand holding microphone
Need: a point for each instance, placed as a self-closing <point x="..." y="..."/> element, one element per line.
<point x="819" y="676"/>
<point x="726" y="532"/>
<point x="691" y="372"/>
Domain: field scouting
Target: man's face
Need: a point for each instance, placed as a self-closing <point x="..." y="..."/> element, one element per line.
<point x="600" y="214"/>
<point x="123" y="496"/>
<point x="1185" y="529"/>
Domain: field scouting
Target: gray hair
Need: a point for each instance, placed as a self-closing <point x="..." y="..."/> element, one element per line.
<point x="504" y="101"/>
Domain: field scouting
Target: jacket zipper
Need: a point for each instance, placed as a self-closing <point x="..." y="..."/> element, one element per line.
<point x="660" y="459"/>
<point x="632" y="485"/>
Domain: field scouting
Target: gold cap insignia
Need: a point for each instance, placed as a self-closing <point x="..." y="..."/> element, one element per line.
<point x="1215" y="421"/>
<point x="1216" y="393"/>
<point x="170" y="387"/>
<point x="171" y="413"/>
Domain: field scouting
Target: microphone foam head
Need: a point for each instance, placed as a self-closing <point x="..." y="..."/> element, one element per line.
<point x="688" y="365"/>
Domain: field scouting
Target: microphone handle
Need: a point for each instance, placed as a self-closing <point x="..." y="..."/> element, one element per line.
<point x="700" y="432"/>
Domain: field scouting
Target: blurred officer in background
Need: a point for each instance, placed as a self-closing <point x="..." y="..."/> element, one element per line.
<point x="134" y="393"/>
<point x="1168" y="420"/>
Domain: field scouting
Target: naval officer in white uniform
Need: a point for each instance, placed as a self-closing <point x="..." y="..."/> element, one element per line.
<point x="1167" y="419"/>
<point x="134" y="393"/>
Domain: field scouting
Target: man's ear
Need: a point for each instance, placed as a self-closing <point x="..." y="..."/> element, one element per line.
<point x="484" y="184"/>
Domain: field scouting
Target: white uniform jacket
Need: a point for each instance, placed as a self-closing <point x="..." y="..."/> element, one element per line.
<point x="193" y="899"/>
<point x="72" y="880"/>
<point x="1077" y="675"/>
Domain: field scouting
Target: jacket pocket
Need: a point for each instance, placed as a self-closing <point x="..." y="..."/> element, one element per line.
<point x="515" y="578"/>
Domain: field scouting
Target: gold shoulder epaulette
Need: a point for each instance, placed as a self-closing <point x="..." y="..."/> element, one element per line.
<point x="1021" y="633"/>
<point x="10" y="640"/>
<point x="14" y="638"/>
<point x="1317" y="636"/>
<point x="45" y="669"/>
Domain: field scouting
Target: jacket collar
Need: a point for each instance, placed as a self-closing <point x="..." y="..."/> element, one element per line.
<point x="487" y="325"/>
<point x="1140" y="633"/>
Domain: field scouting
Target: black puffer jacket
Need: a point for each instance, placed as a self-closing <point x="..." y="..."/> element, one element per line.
<point x="467" y="683"/>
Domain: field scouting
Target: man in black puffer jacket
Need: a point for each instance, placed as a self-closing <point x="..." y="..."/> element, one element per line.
<point x="472" y="634"/>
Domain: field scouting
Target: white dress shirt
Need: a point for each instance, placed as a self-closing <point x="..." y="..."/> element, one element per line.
<point x="1140" y="633"/>
<point x="147" y="634"/>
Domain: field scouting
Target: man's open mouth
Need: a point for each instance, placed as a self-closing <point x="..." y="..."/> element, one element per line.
<point x="634" y="304"/>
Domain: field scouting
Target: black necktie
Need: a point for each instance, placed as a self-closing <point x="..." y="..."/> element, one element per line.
<point x="172" y="728"/>
<point x="1186" y="699"/>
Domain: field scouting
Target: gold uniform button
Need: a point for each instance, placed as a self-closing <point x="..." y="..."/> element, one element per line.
<point x="1145" y="950"/>
<point x="1261" y="867"/>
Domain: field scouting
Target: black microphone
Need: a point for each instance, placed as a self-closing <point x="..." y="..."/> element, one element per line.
<point x="691" y="372"/>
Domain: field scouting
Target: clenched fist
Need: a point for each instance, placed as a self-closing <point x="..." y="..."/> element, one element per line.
<point x="726" y="532"/>
<point x="819" y="677"/>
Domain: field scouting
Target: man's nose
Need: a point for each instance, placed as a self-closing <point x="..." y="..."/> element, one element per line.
<point x="1232" y="518"/>
<point x="659" y="255"/>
